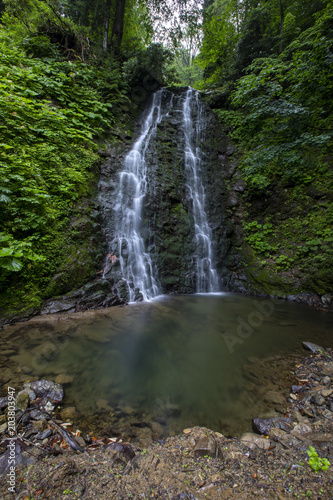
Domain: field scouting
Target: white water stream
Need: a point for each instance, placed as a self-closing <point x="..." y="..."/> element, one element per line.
<point x="206" y="277"/>
<point x="128" y="245"/>
<point x="135" y="261"/>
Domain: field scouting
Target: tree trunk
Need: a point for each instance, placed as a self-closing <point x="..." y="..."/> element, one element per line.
<point x="106" y="26"/>
<point x="118" y="25"/>
<point x="282" y="22"/>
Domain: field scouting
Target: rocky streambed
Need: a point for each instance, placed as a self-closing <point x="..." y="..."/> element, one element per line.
<point x="54" y="460"/>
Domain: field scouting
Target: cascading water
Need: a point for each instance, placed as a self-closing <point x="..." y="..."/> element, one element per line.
<point x="137" y="216"/>
<point x="206" y="276"/>
<point x="128" y="245"/>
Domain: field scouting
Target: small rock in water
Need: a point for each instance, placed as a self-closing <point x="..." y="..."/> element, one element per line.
<point x="312" y="347"/>
<point x="102" y="404"/>
<point x="63" y="379"/>
<point x="275" y="398"/>
<point x="68" y="413"/>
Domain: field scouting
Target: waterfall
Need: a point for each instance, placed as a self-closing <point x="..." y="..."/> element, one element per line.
<point x="128" y="244"/>
<point x="140" y="210"/>
<point x="206" y="276"/>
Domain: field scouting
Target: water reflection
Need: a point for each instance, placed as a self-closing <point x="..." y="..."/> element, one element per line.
<point x="178" y="361"/>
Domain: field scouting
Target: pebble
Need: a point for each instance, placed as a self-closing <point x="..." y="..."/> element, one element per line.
<point x="327" y="392"/>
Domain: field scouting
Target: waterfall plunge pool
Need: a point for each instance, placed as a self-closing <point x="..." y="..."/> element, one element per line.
<point x="171" y="363"/>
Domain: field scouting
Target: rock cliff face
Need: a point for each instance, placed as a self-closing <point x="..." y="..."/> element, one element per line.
<point x="168" y="219"/>
<point x="168" y="226"/>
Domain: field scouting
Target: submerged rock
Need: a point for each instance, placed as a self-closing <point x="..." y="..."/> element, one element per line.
<point x="63" y="379"/>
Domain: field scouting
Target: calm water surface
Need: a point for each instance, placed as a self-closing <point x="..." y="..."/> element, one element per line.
<point x="183" y="356"/>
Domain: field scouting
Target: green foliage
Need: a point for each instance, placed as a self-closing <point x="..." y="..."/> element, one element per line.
<point x="153" y="62"/>
<point x="52" y="111"/>
<point x="315" y="462"/>
<point x="256" y="237"/>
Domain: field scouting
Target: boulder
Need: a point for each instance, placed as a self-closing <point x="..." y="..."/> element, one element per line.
<point x="263" y="425"/>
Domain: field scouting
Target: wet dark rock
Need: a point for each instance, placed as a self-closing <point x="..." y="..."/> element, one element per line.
<point x="53" y="306"/>
<point x="94" y="295"/>
<point x="263" y="425"/>
<point x="313" y="347"/>
<point x="46" y="390"/>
